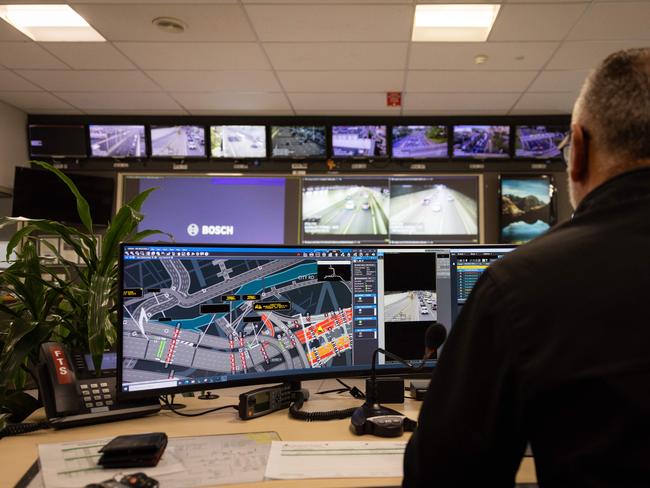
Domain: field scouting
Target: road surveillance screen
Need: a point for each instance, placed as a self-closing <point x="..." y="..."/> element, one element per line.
<point x="298" y="141"/>
<point x="420" y="141"/>
<point x="359" y="141"/>
<point x="345" y="209"/>
<point x="434" y="209"/>
<point x="238" y="141"/>
<point x="539" y="141"/>
<point x="117" y="141"/>
<point x="179" y="141"/>
<point x="57" y="140"/>
<point x="481" y="141"/>
<point x="209" y="315"/>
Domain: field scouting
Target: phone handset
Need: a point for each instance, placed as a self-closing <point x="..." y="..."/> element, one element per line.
<point x="59" y="389"/>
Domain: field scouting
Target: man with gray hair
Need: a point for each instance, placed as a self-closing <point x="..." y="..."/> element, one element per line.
<point x="553" y="345"/>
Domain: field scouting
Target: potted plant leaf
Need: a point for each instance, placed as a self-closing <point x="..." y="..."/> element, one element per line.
<point x="78" y="309"/>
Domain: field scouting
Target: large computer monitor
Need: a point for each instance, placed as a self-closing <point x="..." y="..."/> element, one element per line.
<point x="210" y="316"/>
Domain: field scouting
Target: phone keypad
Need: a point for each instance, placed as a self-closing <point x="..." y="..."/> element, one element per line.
<point x="96" y="394"/>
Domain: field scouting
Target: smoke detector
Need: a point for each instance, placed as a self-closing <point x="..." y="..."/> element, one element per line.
<point x="170" y="24"/>
<point x="480" y="59"/>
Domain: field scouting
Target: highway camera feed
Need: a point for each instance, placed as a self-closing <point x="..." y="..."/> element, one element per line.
<point x="238" y="141"/>
<point x="420" y="141"/>
<point x="297" y="141"/>
<point x="359" y="141"/>
<point x="117" y="141"/>
<point x="410" y="306"/>
<point x="481" y="141"/>
<point x="178" y="141"/>
<point x="433" y="207"/>
<point x="539" y="141"/>
<point x="199" y="320"/>
<point x="337" y="209"/>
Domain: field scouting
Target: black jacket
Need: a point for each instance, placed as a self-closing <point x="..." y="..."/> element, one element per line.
<point x="552" y="347"/>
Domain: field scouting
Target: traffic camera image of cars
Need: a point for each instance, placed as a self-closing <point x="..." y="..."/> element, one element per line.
<point x="481" y="141"/>
<point x="178" y="141"/>
<point x="359" y="141"/>
<point x="117" y="141"/>
<point x="434" y="206"/>
<point x="339" y="208"/>
<point x="238" y="141"/>
<point x="420" y="141"/>
<point x="539" y="142"/>
<point x="410" y="306"/>
<point x="298" y="141"/>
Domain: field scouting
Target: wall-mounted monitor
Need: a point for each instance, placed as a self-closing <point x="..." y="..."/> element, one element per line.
<point x="481" y="141"/>
<point x="117" y="141"/>
<point x="359" y="141"/>
<point x="539" y="141"/>
<point x="434" y="209"/>
<point x="57" y="141"/>
<point x="420" y="141"/>
<point x="527" y="206"/>
<point x="345" y="209"/>
<point x="298" y="142"/>
<point x="238" y="141"/>
<point x="179" y="141"/>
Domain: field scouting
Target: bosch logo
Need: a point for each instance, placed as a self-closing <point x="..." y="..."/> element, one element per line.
<point x="193" y="230"/>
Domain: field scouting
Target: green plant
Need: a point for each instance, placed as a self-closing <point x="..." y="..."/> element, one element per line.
<point x="79" y="310"/>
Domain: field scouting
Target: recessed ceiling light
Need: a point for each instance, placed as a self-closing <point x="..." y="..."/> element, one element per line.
<point x="454" y="23"/>
<point x="50" y="23"/>
<point x="169" y="24"/>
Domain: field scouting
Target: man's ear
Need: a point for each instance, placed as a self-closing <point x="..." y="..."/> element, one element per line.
<point x="578" y="162"/>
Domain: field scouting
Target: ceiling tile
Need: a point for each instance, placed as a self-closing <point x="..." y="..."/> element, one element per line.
<point x="587" y="54"/>
<point x="497" y="102"/>
<point x="545" y="103"/>
<point x="469" y="81"/>
<point x="359" y="103"/>
<point x="34" y="102"/>
<point x="559" y="81"/>
<point x="305" y="23"/>
<point x="501" y="55"/>
<point x="535" y="22"/>
<point x="341" y="81"/>
<point x="10" y="33"/>
<point x="337" y="55"/>
<point x="89" y="55"/>
<point x="10" y="81"/>
<point x="267" y="2"/>
<point x="119" y="101"/>
<point x="78" y="2"/>
<point x="27" y="55"/>
<point x="133" y="22"/>
<point x="91" y="81"/>
<point x="143" y="111"/>
<point x="195" y="55"/>
<point x="615" y="20"/>
<point x="219" y="81"/>
<point x="236" y="112"/>
<point x="233" y="102"/>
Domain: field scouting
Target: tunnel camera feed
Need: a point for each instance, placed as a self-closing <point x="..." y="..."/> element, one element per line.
<point x="434" y="209"/>
<point x="359" y="141"/>
<point x="481" y="141"/>
<point x="117" y="141"/>
<point x="353" y="210"/>
<point x="195" y="209"/>
<point x="179" y="141"/>
<point x="57" y="141"/>
<point x="540" y="141"/>
<point x="238" y="141"/>
<point x="420" y="141"/>
<point x="212" y="318"/>
<point x="298" y="141"/>
<point x="410" y="306"/>
<point x="526" y="208"/>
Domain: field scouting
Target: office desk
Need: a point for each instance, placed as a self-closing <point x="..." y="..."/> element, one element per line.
<point x="18" y="453"/>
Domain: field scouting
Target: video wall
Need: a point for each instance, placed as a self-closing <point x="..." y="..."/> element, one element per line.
<point x="307" y="142"/>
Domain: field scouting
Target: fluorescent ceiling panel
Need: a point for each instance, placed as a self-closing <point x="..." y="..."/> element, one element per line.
<point x="50" y="23"/>
<point x="453" y="23"/>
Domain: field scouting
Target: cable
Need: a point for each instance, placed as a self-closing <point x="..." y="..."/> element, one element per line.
<point x="172" y="409"/>
<point x="17" y="429"/>
<point x="296" y="413"/>
<point x="352" y="390"/>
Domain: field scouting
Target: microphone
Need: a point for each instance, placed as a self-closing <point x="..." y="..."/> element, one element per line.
<point x="435" y="335"/>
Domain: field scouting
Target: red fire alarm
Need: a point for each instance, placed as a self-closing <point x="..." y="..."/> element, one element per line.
<point x="394" y="99"/>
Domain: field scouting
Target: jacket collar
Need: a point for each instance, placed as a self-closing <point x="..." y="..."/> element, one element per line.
<point x="626" y="187"/>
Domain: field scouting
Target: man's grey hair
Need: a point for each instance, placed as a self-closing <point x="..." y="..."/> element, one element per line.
<point x="616" y="102"/>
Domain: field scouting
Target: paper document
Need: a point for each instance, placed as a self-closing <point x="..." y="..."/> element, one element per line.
<point x="74" y="464"/>
<point x="338" y="459"/>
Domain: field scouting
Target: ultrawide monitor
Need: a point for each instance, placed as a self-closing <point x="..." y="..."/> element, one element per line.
<point x="117" y="141"/>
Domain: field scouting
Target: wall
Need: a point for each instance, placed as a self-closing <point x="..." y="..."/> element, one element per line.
<point x="13" y="143"/>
